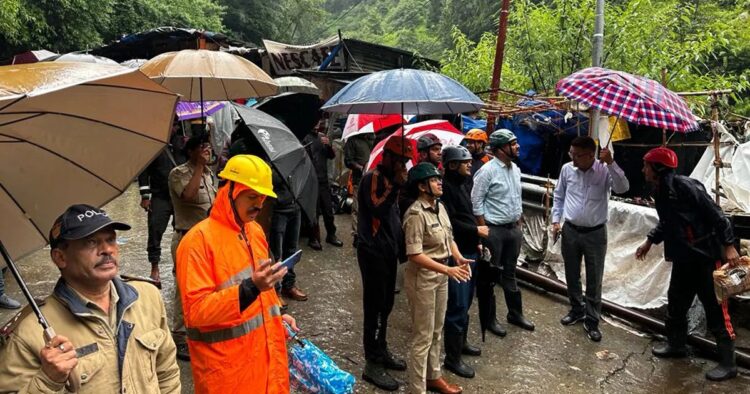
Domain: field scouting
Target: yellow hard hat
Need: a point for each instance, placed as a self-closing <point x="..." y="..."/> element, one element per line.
<point x="250" y="171"/>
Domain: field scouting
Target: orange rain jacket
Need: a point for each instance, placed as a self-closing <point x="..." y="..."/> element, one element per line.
<point x="230" y="351"/>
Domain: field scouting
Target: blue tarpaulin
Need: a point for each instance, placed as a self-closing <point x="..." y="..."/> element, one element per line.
<point x="468" y="123"/>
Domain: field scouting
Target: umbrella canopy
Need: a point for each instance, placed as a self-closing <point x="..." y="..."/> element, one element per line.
<point x="81" y="58"/>
<point x="68" y="135"/>
<point x="133" y="63"/>
<point x="364" y="123"/>
<point x="636" y="99"/>
<point x="442" y="129"/>
<point x="296" y="85"/>
<point x="33" y="56"/>
<point x="200" y="74"/>
<point x="187" y="110"/>
<point x="286" y="155"/>
<point x="404" y="91"/>
<point x="298" y="111"/>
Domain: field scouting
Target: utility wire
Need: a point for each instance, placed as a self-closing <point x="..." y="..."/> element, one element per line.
<point x="345" y="13"/>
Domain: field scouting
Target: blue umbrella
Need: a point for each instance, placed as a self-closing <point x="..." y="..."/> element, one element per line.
<point x="404" y="91"/>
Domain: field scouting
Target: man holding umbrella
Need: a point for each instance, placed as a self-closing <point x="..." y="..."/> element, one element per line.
<point x="380" y="242"/>
<point x="117" y="334"/>
<point x="582" y="200"/>
<point x="496" y="199"/>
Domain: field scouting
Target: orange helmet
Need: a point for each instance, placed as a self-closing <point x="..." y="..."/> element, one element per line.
<point x="399" y="146"/>
<point x="476" y="135"/>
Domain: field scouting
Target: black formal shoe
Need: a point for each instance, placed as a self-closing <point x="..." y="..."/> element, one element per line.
<point x="665" y="350"/>
<point x="377" y="375"/>
<point x="334" y="241"/>
<point x="572" y="318"/>
<point x="182" y="351"/>
<point x="392" y="362"/>
<point x="314" y="244"/>
<point x="497" y="329"/>
<point x="593" y="332"/>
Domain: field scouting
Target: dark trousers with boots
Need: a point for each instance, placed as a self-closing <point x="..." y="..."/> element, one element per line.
<point x="325" y="209"/>
<point x="504" y="243"/>
<point x="378" y="283"/>
<point x="460" y="296"/>
<point x="691" y="278"/>
<point x="158" y="220"/>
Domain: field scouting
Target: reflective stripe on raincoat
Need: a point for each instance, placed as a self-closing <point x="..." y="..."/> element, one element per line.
<point x="230" y="351"/>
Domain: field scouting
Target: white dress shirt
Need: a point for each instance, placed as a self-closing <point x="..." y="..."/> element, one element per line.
<point x="582" y="197"/>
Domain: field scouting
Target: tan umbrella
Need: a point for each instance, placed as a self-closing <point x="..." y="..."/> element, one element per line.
<point x="72" y="133"/>
<point x="199" y="75"/>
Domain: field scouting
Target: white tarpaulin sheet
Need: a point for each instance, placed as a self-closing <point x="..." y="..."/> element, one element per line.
<point x="627" y="281"/>
<point x="735" y="181"/>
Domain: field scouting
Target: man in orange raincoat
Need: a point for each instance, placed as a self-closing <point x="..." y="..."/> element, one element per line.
<point x="234" y="325"/>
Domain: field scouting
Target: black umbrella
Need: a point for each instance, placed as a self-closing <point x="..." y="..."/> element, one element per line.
<point x="487" y="275"/>
<point x="298" y="111"/>
<point x="285" y="154"/>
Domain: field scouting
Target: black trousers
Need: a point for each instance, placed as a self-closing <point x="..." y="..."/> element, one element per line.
<point x="325" y="208"/>
<point x="158" y="219"/>
<point x="504" y="243"/>
<point x="283" y="239"/>
<point x="378" y="285"/>
<point x="691" y="278"/>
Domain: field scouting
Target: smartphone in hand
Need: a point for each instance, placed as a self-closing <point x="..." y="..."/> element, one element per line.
<point x="291" y="261"/>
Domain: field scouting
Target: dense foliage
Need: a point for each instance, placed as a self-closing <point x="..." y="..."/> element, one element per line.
<point x="689" y="45"/>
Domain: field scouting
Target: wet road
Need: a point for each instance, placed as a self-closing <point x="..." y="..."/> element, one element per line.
<point x="553" y="358"/>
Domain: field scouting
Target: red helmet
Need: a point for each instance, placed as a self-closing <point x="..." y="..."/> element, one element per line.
<point x="399" y="146"/>
<point x="663" y="156"/>
<point x="427" y="141"/>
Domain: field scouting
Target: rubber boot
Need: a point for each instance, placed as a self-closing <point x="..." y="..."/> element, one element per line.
<point x="469" y="349"/>
<point x="727" y="368"/>
<point x="453" y="361"/>
<point x="376" y="374"/>
<point x="674" y="347"/>
<point x="515" y="310"/>
<point x="314" y="241"/>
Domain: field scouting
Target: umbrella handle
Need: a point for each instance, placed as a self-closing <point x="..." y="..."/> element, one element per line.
<point x="73" y="384"/>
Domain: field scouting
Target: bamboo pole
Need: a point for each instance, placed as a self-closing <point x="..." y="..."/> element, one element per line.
<point x="717" y="152"/>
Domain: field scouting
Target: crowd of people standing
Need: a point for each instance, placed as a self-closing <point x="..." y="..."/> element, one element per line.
<point x="456" y="214"/>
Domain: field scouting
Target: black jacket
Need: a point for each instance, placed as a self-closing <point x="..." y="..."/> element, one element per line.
<point x="357" y="152"/>
<point x="319" y="153"/>
<point x="153" y="181"/>
<point x="285" y="201"/>
<point x="457" y="200"/>
<point x="691" y="225"/>
<point x="379" y="225"/>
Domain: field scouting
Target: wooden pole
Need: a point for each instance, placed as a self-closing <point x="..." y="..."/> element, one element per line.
<point x="498" y="67"/>
<point x="717" y="152"/>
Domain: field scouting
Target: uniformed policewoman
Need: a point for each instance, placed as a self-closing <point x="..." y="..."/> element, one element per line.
<point x="429" y="243"/>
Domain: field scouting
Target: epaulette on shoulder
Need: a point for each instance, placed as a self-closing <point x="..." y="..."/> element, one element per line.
<point x="130" y="278"/>
<point x="10" y="326"/>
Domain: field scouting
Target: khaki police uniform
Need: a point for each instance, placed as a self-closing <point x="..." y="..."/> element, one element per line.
<point x="427" y="230"/>
<point x="186" y="215"/>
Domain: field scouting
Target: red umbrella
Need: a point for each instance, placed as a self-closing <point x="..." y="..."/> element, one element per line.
<point x="636" y="99"/>
<point x="442" y="129"/>
<point x="366" y="123"/>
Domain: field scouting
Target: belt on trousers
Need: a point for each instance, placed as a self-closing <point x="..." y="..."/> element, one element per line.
<point x="442" y="261"/>
<point x="583" y="229"/>
<point x="510" y="225"/>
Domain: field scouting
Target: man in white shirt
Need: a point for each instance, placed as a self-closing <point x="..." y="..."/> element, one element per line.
<point x="581" y="200"/>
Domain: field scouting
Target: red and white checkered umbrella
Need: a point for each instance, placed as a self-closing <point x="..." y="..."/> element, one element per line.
<point x="442" y="129"/>
<point x="636" y="99"/>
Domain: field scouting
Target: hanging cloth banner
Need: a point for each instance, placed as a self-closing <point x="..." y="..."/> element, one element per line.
<point x="286" y="58"/>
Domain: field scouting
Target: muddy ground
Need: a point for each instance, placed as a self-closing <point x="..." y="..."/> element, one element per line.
<point x="553" y="358"/>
